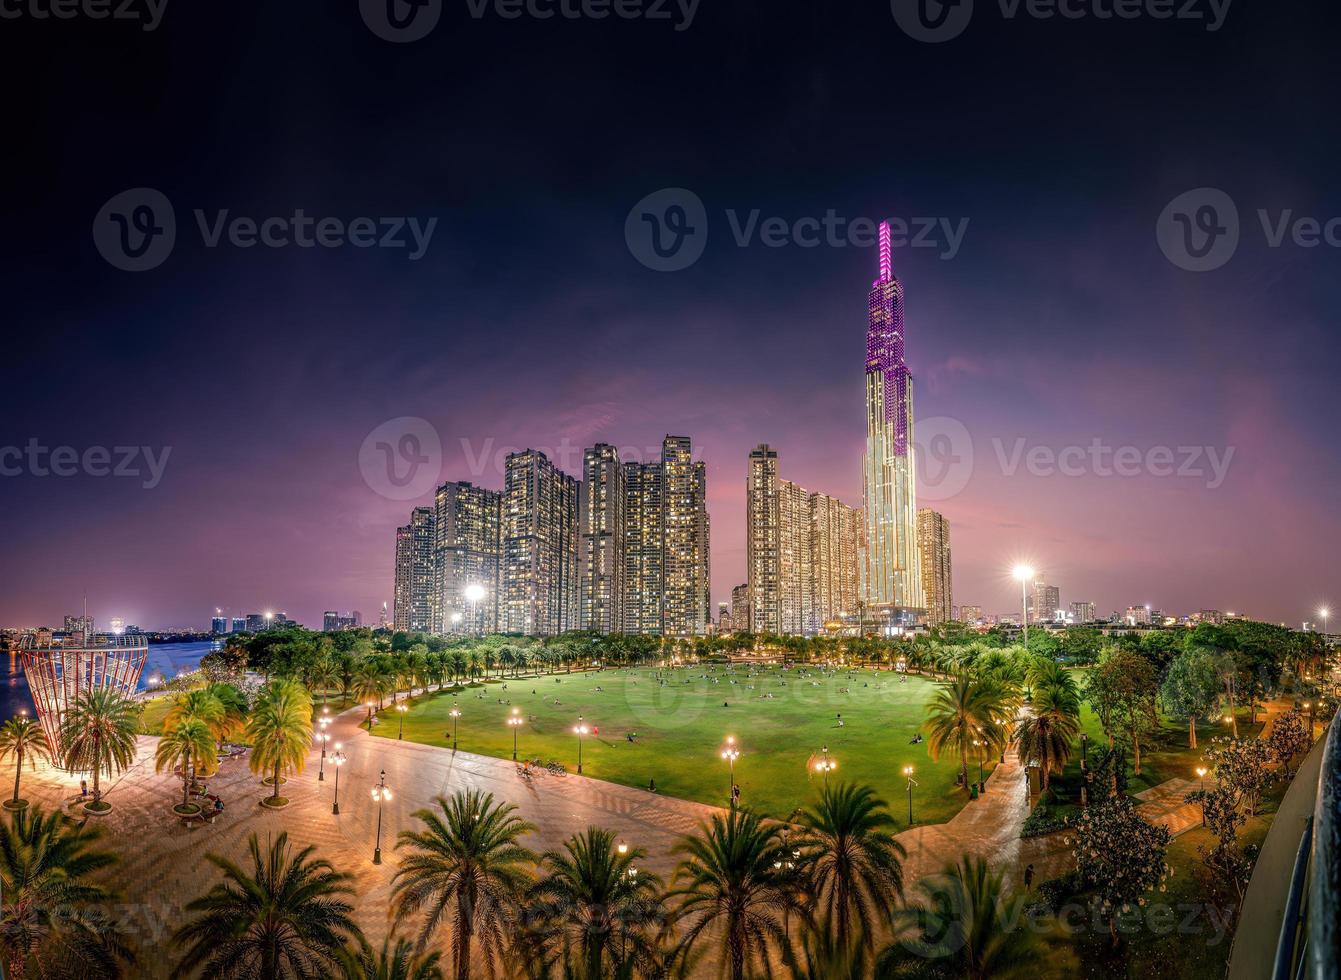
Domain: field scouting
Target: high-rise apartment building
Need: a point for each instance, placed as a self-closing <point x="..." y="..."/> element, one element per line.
<point x="238" y="625"/>
<point x="835" y="531"/>
<point x="466" y="549"/>
<point x="540" y="589"/>
<point x="414" y="573"/>
<point x="643" y="516"/>
<point x="684" y="540"/>
<point x="763" y="547"/>
<point x="724" y="617"/>
<point x="1044" y="602"/>
<point x="1082" y="612"/>
<point x="933" y="546"/>
<point x="970" y="615"/>
<point x="603" y="529"/>
<point x="740" y="608"/>
<point x="891" y="573"/>
<point x="795" y="571"/>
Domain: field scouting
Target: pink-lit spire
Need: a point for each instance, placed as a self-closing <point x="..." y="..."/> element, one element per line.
<point x="886" y="267"/>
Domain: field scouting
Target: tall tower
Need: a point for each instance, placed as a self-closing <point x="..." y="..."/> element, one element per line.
<point x="763" y="545"/>
<point x="933" y="544"/>
<point x="602" y="542"/>
<point x="891" y="574"/>
<point x="643" y="513"/>
<point x="414" y="573"/>
<point x="465" y="553"/>
<point x="539" y="556"/>
<point x="684" y="540"/>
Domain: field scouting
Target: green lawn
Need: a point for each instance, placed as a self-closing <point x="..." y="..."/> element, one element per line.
<point x="682" y="728"/>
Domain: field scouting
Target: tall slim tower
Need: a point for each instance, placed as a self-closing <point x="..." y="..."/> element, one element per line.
<point x="414" y="573"/>
<point x="891" y="575"/>
<point x="684" y="540"/>
<point x="602" y="540"/>
<point x="933" y="544"/>
<point x="539" y="557"/>
<point x="465" y="553"/>
<point x="763" y="546"/>
<point x="643" y="514"/>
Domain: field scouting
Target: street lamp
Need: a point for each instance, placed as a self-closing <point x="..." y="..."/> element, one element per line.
<point x="580" y="729"/>
<point x="380" y="794"/>
<point x="981" y="749"/>
<point x="515" y="722"/>
<point x="908" y="771"/>
<point x="1201" y="774"/>
<point x="400" y="710"/>
<point x="731" y="753"/>
<point x="1024" y="574"/>
<point x="337" y="760"/>
<point x="826" y="765"/>
<point x="456" y="716"/>
<point x="1308" y="706"/>
<point x="322" y="739"/>
<point x="368" y="720"/>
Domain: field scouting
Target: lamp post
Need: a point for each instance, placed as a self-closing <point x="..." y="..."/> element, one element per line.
<point x="400" y="710"/>
<point x="456" y="717"/>
<point x="1024" y="574"/>
<point x="908" y="771"/>
<point x="981" y="749"/>
<point x="322" y="739"/>
<point x="825" y="765"/>
<point x="731" y="753"/>
<point x="515" y="722"/>
<point x="368" y="720"/>
<point x="337" y="760"/>
<point x="1308" y="706"/>
<point x="1201" y="775"/>
<point x="579" y="730"/>
<point x="380" y="794"/>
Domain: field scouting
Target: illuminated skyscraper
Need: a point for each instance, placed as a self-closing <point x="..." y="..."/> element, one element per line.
<point x="763" y="546"/>
<point x="933" y="545"/>
<point x="414" y="574"/>
<point x="466" y="546"/>
<point x="643" y="514"/>
<point x="891" y="576"/>
<point x="602" y="540"/>
<point x="796" y="611"/>
<point x="540" y="589"/>
<point x="835" y="529"/>
<point x="1047" y="600"/>
<point x="740" y="608"/>
<point x="685" y="543"/>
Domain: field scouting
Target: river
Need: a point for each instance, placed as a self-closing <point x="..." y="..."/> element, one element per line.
<point x="165" y="660"/>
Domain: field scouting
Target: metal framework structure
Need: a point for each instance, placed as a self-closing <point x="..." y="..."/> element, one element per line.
<point x="59" y="672"/>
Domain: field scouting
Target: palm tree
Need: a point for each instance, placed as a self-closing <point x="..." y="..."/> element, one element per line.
<point x="201" y="704"/>
<point x="596" y="902"/>
<point x="965" y="709"/>
<point x="1046" y="735"/>
<point x="280" y="730"/>
<point x="398" y="963"/>
<point x="51" y="913"/>
<point x="189" y="744"/>
<point x="234" y="704"/>
<point x="467" y="870"/>
<point x="22" y="736"/>
<point x="287" y="918"/>
<point x="99" y="736"/>
<point x="370" y="685"/>
<point x="322" y="676"/>
<point x="728" y="885"/>
<point x="852" y="860"/>
<point x="965" y="924"/>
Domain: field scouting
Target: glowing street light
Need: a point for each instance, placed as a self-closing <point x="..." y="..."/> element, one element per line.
<point x="1024" y="574"/>
<point x="369" y="706"/>
<point x="401" y="708"/>
<point x="380" y="794"/>
<point x="515" y="722"/>
<point x="731" y="753"/>
<point x="337" y="760"/>
<point x="908" y="771"/>
<point x="579" y="730"/>
<point x="322" y="739"/>
<point x="826" y="765"/>
<point x="455" y="714"/>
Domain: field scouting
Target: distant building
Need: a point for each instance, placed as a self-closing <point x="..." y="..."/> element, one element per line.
<point x="1137" y="616"/>
<point x="414" y="573"/>
<point x="740" y="609"/>
<point x="724" y="617"/>
<point x="1213" y="616"/>
<point x="686" y="596"/>
<point x="643" y="517"/>
<point x="835" y="529"/>
<point x="255" y="622"/>
<point x="239" y="625"/>
<point x="540" y="587"/>
<point x="218" y="625"/>
<point x="1045" y="601"/>
<point x="933" y="547"/>
<point x="1082" y="612"/>
<point x="602" y="530"/>
<point x="80" y="625"/>
<point x="970" y="615"/>
<point x="333" y="622"/>
<point x="467" y="551"/>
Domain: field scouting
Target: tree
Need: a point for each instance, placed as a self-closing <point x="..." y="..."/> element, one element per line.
<point x="280" y="730"/>
<point x="22" y="737"/>
<point x="963" y="710"/>
<point x="1119" y="855"/>
<point x="852" y="861"/>
<point x="288" y="917"/>
<point x="466" y="871"/>
<point x="99" y="735"/>
<point x="1123" y="690"/>
<point x="1243" y="766"/>
<point x="598" y="905"/>
<point x="51" y="914"/>
<point x="190" y="744"/>
<point x="1191" y="688"/>
<point x="1045" y="736"/>
<point x="964" y="923"/>
<point x="398" y="963"/>
<point x="727" y="885"/>
<point x="1223" y="819"/>
<point x="1287" y="738"/>
<point x="323" y="675"/>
